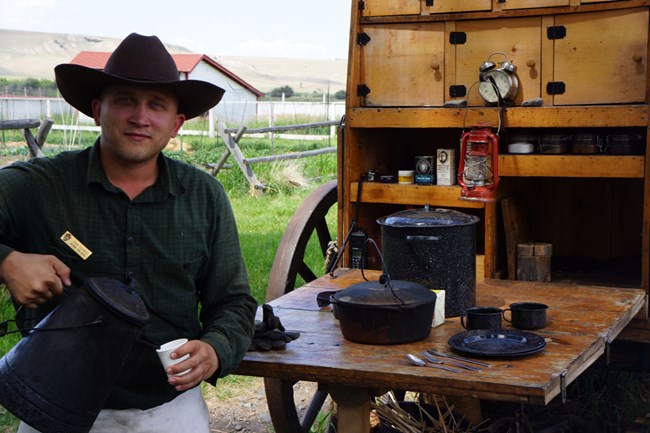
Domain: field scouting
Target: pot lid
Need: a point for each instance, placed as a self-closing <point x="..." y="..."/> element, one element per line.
<point x="375" y="293"/>
<point x="426" y="217"/>
<point x="117" y="297"/>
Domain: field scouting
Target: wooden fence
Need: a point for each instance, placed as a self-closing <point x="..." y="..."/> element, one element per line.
<point x="34" y="144"/>
<point x="231" y="139"/>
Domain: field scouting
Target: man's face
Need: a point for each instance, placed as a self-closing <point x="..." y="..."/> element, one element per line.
<point x="136" y="121"/>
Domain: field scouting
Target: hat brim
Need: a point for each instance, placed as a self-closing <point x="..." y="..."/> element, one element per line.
<point x="79" y="85"/>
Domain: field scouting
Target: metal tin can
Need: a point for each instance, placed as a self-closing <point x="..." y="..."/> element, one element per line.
<point x="424" y="170"/>
<point x="405" y="177"/>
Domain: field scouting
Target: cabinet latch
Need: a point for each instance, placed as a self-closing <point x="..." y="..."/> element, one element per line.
<point x="429" y="2"/>
<point x="362" y="5"/>
<point x="457" y="38"/>
<point x="457" y="91"/>
<point x="555" y="87"/>
<point x="362" y="90"/>
<point x="363" y="38"/>
<point x="556" y="32"/>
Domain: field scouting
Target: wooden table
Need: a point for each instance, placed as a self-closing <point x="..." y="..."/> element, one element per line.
<point x="582" y="320"/>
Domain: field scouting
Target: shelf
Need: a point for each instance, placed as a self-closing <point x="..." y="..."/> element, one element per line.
<point x="393" y="193"/>
<point x="515" y="117"/>
<point x="601" y="166"/>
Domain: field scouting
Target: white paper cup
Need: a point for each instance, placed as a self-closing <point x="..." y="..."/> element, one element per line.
<point x="165" y="351"/>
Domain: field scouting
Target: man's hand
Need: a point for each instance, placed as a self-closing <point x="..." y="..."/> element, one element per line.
<point x="33" y="279"/>
<point x="203" y="361"/>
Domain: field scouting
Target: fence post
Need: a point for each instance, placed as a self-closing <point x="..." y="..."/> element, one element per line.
<point x="211" y="123"/>
<point x="233" y="148"/>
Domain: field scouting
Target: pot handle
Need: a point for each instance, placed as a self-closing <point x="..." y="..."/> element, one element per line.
<point x="423" y="239"/>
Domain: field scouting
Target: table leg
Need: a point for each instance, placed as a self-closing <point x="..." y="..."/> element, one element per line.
<point x="353" y="408"/>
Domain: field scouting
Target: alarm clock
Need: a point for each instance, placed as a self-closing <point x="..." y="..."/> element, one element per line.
<point x="498" y="84"/>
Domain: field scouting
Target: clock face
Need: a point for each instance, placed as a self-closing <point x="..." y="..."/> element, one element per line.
<point x="499" y="81"/>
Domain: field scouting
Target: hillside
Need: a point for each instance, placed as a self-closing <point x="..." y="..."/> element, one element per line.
<point x="34" y="54"/>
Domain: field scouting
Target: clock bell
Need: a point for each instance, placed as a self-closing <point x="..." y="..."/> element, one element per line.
<point x="498" y="84"/>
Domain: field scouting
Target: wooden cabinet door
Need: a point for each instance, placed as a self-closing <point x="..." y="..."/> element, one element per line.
<point x="528" y="4"/>
<point x="610" y="68"/>
<point x="598" y="1"/>
<point x="518" y="38"/>
<point x="449" y="6"/>
<point x="403" y="64"/>
<point x="373" y="8"/>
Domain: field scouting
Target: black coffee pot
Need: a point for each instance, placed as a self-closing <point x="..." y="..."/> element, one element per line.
<point x="59" y="375"/>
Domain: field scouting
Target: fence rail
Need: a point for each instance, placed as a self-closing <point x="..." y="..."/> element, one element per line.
<point x="231" y="112"/>
<point x="231" y="138"/>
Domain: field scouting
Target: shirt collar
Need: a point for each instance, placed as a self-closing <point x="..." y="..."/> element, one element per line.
<point x="168" y="182"/>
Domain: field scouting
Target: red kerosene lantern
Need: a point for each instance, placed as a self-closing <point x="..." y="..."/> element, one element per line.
<point x="477" y="169"/>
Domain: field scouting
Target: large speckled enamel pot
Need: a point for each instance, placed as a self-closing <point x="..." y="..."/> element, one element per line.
<point x="435" y="248"/>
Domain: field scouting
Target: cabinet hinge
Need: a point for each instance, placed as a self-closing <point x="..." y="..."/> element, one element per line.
<point x="362" y="90"/>
<point x="457" y="91"/>
<point x="362" y="5"/>
<point x="555" y="87"/>
<point x="556" y="32"/>
<point x="429" y="2"/>
<point x="457" y="38"/>
<point x="501" y="1"/>
<point x="363" y="38"/>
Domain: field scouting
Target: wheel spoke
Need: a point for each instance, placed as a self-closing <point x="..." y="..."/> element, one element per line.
<point x="324" y="236"/>
<point x="306" y="273"/>
<point x="313" y="410"/>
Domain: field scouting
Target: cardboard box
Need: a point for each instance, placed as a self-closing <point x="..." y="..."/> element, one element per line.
<point x="446" y="167"/>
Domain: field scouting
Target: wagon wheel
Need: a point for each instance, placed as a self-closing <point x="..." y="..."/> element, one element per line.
<point x="289" y="262"/>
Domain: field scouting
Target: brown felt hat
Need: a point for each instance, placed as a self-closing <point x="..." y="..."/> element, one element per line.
<point x="141" y="60"/>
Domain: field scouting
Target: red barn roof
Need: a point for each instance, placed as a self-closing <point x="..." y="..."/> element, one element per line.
<point x="185" y="63"/>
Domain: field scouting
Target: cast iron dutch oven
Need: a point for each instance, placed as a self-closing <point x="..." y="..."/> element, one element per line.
<point x="385" y="311"/>
<point x="435" y="248"/>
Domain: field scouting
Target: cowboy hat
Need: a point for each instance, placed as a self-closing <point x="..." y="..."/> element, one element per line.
<point x="141" y="60"/>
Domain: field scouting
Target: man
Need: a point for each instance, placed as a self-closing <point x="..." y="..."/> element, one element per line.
<point x="162" y="227"/>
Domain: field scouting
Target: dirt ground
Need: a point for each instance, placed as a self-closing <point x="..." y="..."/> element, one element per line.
<point x="244" y="410"/>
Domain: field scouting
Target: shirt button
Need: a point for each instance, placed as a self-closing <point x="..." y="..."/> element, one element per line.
<point x="130" y="239"/>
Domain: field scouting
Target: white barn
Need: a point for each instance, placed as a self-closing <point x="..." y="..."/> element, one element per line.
<point x="239" y="103"/>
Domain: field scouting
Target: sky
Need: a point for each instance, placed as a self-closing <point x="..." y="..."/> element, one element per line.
<point x="308" y="29"/>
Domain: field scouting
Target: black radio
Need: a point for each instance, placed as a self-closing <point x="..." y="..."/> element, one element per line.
<point x="357" y="249"/>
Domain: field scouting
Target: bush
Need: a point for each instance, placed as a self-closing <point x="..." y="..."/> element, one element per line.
<point x="286" y="90"/>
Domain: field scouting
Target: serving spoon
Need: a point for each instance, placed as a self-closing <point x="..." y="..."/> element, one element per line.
<point x="421" y="363"/>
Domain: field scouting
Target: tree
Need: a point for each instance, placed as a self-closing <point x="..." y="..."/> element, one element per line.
<point x="278" y="91"/>
<point x="340" y="95"/>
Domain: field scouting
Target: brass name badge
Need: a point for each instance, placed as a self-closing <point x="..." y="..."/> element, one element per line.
<point x="76" y="245"/>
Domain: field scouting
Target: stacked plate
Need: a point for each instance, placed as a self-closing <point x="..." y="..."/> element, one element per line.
<point x="497" y="342"/>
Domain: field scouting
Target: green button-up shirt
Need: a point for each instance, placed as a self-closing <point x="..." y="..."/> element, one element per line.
<point x="177" y="241"/>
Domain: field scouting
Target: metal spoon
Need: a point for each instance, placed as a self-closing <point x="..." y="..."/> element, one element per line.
<point x="421" y="363"/>
<point x="431" y="358"/>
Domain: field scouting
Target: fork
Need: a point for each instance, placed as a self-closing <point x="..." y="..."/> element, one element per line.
<point x="434" y="360"/>
<point x="433" y="352"/>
